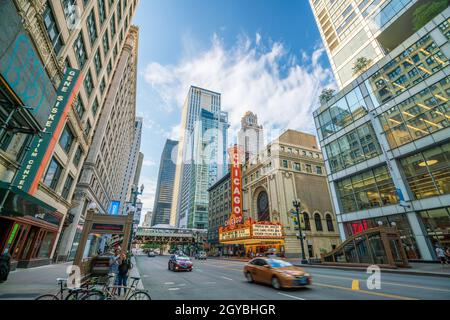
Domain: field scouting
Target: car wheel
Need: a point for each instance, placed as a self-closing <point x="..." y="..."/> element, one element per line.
<point x="276" y="283"/>
<point x="249" y="277"/>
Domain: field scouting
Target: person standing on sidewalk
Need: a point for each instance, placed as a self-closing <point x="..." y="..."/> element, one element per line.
<point x="441" y="255"/>
<point x="124" y="271"/>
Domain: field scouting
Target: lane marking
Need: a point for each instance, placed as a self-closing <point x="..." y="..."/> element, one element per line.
<point x="293" y="297"/>
<point x="167" y="283"/>
<point x="385" y="295"/>
<point x="174" y="289"/>
<point x="383" y="283"/>
<point x="226" y="278"/>
<point x="211" y="282"/>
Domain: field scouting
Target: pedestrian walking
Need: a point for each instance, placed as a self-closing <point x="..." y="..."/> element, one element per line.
<point x="5" y="266"/>
<point x="447" y="253"/>
<point x="440" y="253"/>
<point x="124" y="269"/>
<point x="114" y="267"/>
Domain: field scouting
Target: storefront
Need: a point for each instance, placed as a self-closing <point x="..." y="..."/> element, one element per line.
<point x="28" y="229"/>
<point x="398" y="221"/>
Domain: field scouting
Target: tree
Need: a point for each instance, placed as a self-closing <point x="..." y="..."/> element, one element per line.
<point x="361" y="65"/>
<point x="326" y="95"/>
<point x="424" y="13"/>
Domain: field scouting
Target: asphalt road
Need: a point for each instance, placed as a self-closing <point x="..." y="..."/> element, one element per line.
<point x="223" y="280"/>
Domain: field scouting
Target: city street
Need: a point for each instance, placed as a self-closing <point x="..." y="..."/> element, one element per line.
<point x="219" y="279"/>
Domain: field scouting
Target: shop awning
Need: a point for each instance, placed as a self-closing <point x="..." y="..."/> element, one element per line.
<point x="20" y="204"/>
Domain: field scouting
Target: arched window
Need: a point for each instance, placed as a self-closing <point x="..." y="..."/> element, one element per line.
<point x="330" y="225"/>
<point x="263" y="206"/>
<point x="306" y="219"/>
<point x="318" y="222"/>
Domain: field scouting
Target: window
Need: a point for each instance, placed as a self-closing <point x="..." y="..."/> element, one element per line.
<point x="80" y="108"/>
<point x="105" y="43"/>
<point x="418" y="116"/>
<point x="285" y="163"/>
<point x="428" y="172"/>
<point x="52" y="29"/>
<point x="297" y="166"/>
<point x="369" y="189"/>
<point x="67" y="186"/>
<point x="77" y="157"/>
<point x="101" y="10"/>
<point x="307" y="222"/>
<point x="330" y="225"/>
<point x="102" y="86"/>
<point x="113" y="25"/>
<point x="319" y="170"/>
<point x="66" y="139"/>
<point x="318" y="222"/>
<point x="354" y="147"/>
<point x="91" y="27"/>
<point x="80" y="50"/>
<point x="98" y="62"/>
<point x="308" y="168"/>
<point x="95" y="107"/>
<point x="52" y="175"/>
<point x="88" y="83"/>
<point x="88" y="128"/>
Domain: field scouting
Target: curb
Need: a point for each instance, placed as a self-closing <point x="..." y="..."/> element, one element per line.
<point x="135" y="273"/>
<point x="421" y="273"/>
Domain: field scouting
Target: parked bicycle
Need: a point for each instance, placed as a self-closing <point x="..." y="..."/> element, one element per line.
<point x="86" y="292"/>
<point x="131" y="292"/>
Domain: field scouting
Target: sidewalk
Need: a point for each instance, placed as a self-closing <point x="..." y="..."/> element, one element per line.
<point x="31" y="283"/>
<point x="424" y="269"/>
<point x="27" y="284"/>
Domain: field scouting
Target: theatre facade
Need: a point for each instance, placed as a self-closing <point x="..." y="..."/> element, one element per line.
<point x="289" y="168"/>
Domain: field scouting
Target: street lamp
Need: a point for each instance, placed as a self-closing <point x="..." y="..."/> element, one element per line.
<point x="297" y="205"/>
<point x="135" y="193"/>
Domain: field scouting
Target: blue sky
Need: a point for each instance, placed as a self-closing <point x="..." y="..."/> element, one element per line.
<point x="271" y="47"/>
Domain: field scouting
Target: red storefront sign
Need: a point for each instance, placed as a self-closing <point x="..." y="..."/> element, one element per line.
<point x="236" y="187"/>
<point x="359" y="226"/>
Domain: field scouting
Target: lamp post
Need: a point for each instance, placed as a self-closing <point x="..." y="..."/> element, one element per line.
<point x="135" y="193"/>
<point x="297" y="205"/>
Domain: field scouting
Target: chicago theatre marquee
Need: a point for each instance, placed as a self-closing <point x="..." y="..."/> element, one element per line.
<point x="254" y="236"/>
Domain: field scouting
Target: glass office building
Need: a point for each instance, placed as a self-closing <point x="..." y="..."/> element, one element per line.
<point x="386" y="142"/>
<point x="202" y="157"/>
<point x="353" y="29"/>
<point x="164" y="188"/>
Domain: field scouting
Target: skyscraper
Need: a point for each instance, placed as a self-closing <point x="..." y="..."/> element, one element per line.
<point x="39" y="43"/>
<point x="250" y="136"/>
<point x="201" y="157"/>
<point x="386" y="140"/>
<point x="132" y="165"/>
<point x="362" y="29"/>
<point x="164" y="188"/>
<point x="105" y="165"/>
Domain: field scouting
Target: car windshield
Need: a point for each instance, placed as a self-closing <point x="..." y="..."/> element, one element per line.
<point x="183" y="258"/>
<point x="278" y="263"/>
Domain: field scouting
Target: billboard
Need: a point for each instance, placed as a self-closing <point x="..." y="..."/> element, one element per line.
<point x="41" y="147"/>
<point x="114" y="208"/>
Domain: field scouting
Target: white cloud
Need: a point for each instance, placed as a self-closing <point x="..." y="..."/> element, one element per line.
<point x="251" y="76"/>
<point x="148" y="163"/>
<point x="148" y="198"/>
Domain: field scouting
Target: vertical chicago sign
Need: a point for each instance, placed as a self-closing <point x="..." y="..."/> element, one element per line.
<point x="236" y="187"/>
<point x="41" y="147"/>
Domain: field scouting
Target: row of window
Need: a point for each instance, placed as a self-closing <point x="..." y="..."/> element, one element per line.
<point x="354" y="147"/>
<point x="427" y="174"/>
<point x="420" y="115"/>
<point x="306" y="224"/>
